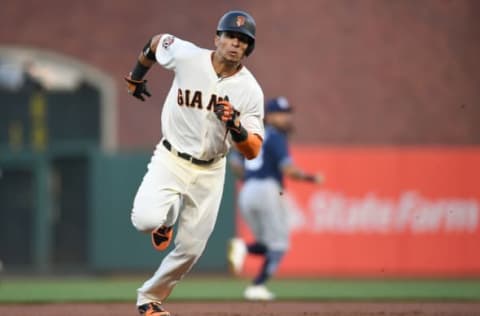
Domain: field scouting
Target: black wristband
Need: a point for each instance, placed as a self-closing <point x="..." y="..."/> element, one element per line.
<point x="309" y="177"/>
<point x="239" y="134"/>
<point x="139" y="71"/>
<point x="147" y="51"/>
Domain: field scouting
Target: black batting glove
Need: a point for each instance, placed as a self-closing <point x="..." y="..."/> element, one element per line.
<point x="137" y="88"/>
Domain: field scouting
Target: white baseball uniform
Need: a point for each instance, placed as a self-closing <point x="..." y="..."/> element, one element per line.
<point x="175" y="188"/>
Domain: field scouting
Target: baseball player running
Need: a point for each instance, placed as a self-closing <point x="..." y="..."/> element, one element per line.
<point x="214" y="102"/>
<point x="261" y="201"/>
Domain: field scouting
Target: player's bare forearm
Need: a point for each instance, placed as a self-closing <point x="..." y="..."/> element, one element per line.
<point x="146" y="58"/>
<point x="296" y="173"/>
<point x="145" y="61"/>
<point x="136" y="85"/>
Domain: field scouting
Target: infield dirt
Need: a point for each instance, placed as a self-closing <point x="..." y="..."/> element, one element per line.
<point x="253" y="309"/>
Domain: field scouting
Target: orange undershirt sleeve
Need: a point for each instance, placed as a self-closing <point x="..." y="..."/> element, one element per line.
<point x="251" y="146"/>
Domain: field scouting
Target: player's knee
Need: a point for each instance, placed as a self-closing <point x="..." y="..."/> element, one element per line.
<point x="142" y="223"/>
<point x="279" y="244"/>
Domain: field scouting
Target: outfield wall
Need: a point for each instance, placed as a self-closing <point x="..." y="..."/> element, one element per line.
<point x="68" y="210"/>
<point x="388" y="211"/>
<point x="384" y="211"/>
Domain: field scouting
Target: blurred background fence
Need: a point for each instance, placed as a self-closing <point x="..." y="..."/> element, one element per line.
<point x="364" y="76"/>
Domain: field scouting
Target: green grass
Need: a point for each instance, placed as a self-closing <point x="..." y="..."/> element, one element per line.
<point x="217" y="288"/>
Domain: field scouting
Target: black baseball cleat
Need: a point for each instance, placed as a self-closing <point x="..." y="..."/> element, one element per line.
<point x="152" y="309"/>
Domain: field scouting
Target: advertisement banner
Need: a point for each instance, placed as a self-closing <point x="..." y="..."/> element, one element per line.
<point x="392" y="211"/>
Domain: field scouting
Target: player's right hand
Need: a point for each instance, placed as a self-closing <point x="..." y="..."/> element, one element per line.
<point x="137" y="88"/>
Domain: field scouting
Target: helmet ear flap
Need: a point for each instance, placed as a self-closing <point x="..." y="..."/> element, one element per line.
<point x="250" y="48"/>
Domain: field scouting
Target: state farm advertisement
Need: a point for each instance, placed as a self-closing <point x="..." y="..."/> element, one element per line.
<point x="392" y="211"/>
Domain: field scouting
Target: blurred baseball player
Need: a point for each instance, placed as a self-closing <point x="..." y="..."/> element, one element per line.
<point x="214" y="102"/>
<point x="261" y="201"/>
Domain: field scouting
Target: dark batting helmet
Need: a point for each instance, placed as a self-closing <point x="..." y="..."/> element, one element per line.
<point x="240" y="22"/>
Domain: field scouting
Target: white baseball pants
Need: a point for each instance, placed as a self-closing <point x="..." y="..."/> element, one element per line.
<point x="174" y="188"/>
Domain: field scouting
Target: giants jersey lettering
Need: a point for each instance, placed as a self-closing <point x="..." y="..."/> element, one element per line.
<point x="188" y="120"/>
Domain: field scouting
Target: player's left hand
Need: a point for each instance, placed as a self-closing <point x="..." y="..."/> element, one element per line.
<point x="137" y="88"/>
<point x="318" y="178"/>
<point x="226" y="113"/>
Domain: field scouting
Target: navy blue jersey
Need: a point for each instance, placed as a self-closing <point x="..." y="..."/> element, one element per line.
<point x="272" y="157"/>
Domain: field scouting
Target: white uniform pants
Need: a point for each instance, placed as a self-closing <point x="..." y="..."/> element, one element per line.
<point x="174" y="188"/>
<point x="264" y="210"/>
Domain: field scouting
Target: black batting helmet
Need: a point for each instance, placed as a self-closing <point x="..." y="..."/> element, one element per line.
<point x="240" y="22"/>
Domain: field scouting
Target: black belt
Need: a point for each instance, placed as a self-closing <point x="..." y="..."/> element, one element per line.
<point x="186" y="156"/>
